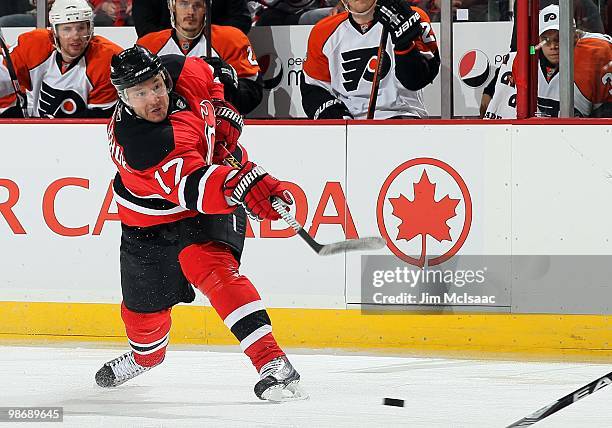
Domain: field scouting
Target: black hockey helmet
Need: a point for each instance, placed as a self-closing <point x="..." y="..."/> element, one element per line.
<point x="133" y="66"/>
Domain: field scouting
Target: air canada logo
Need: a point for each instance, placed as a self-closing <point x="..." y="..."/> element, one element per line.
<point x="271" y="69"/>
<point x="361" y="63"/>
<point x="424" y="211"/>
<point x="474" y="68"/>
<point x="59" y="103"/>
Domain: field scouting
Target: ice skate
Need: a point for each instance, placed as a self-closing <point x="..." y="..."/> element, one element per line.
<point x="279" y="382"/>
<point x="119" y="371"/>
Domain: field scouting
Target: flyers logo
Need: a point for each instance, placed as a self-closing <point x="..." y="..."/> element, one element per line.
<point x="59" y="103"/>
<point x="361" y="63"/>
<point x="550" y="17"/>
<point x="548" y="107"/>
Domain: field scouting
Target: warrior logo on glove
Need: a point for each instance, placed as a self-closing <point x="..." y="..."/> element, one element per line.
<point x="254" y="188"/>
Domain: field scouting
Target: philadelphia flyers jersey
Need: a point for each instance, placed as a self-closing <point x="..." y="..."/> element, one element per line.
<point x="503" y="103"/>
<point x="165" y="170"/>
<point x="342" y="60"/>
<point x="6" y="88"/>
<point x="592" y="82"/>
<point x="82" y="89"/>
<point x="229" y="44"/>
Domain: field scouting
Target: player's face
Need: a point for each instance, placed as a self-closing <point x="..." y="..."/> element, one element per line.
<point x="360" y="6"/>
<point x="551" y="47"/>
<point x="150" y="99"/>
<point x="73" y="38"/>
<point x="189" y="15"/>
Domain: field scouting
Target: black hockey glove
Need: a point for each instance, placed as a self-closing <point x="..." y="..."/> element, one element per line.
<point x="225" y="73"/>
<point x="333" y="109"/>
<point x="401" y="20"/>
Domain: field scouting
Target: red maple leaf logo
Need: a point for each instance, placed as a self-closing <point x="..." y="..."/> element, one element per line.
<point x="424" y="216"/>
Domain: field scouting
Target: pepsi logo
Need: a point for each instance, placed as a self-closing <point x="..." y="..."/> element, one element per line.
<point x="474" y="68"/>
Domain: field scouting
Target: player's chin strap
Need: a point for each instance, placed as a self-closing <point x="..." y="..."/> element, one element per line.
<point x="346" y="6"/>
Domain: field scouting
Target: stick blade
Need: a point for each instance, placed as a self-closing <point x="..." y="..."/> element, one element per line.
<point x="361" y="244"/>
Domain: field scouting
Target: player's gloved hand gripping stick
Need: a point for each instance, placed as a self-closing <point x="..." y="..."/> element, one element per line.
<point x="360" y="244"/>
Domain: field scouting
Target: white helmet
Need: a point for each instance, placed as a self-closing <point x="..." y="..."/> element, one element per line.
<point x="68" y="11"/>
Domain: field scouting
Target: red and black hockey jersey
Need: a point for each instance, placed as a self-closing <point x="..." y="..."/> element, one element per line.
<point x="165" y="170"/>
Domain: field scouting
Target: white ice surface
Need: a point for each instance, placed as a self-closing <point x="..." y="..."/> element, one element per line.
<point x="195" y="387"/>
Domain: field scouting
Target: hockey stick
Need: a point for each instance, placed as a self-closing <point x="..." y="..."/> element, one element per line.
<point x="21" y="101"/>
<point x="208" y="28"/>
<point x="561" y="403"/>
<point x="360" y="244"/>
<point x="380" y="57"/>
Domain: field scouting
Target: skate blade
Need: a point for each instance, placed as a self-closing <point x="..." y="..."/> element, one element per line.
<point x="291" y="392"/>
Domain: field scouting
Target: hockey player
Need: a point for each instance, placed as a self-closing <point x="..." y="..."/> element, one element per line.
<point x="341" y="59"/>
<point x="64" y="71"/>
<point x="233" y="57"/>
<point x="592" y="78"/>
<point x="6" y="88"/>
<point x="179" y="215"/>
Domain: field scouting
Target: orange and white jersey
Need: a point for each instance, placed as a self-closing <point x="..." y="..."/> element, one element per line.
<point x="342" y="60"/>
<point x="592" y="72"/>
<point x="7" y="91"/>
<point x="228" y="43"/>
<point x="503" y="103"/>
<point x="592" y="80"/>
<point x="6" y="87"/>
<point x="55" y="90"/>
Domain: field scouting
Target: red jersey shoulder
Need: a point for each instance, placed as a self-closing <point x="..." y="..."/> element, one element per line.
<point x="155" y="41"/>
<point x="35" y="47"/>
<point x="196" y="82"/>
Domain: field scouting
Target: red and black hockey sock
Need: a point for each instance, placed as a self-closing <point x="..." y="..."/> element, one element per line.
<point x="213" y="269"/>
<point x="147" y="334"/>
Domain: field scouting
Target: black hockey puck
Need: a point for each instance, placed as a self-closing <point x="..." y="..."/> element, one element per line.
<point x="393" y="402"/>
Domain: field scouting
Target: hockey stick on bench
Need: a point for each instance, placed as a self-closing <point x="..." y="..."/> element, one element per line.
<point x="380" y="58"/>
<point x="360" y="244"/>
<point x="563" y="402"/>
